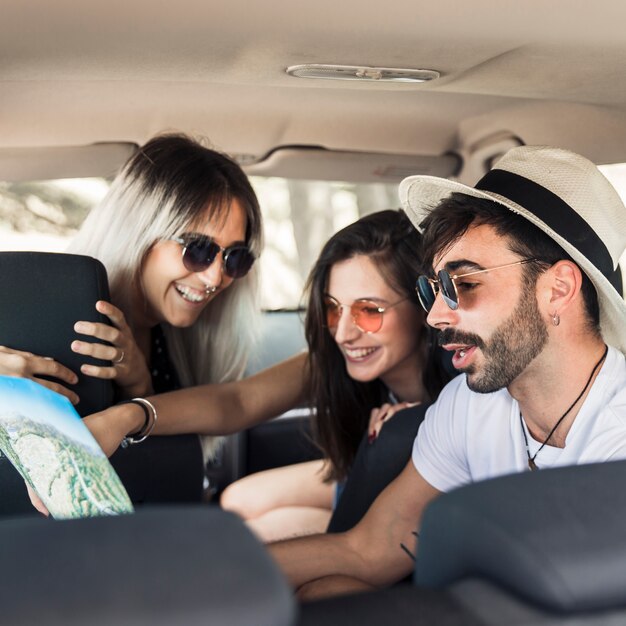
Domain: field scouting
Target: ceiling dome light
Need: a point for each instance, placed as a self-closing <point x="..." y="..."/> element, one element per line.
<point x="362" y="73"/>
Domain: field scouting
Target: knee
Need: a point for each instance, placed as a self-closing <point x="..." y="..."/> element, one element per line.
<point x="237" y="499"/>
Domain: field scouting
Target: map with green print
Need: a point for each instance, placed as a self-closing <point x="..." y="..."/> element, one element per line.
<point x="45" y="439"/>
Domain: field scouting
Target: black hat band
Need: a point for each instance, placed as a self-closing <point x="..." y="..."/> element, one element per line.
<point x="551" y="210"/>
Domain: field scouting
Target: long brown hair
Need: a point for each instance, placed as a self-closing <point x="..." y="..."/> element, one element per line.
<point x="342" y="404"/>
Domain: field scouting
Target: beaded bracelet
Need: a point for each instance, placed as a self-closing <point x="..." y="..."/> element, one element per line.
<point x="148" y="426"/>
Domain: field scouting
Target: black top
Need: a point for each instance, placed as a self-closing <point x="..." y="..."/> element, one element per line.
<point x="164" y="375"/>
<point x="164" y="468"/>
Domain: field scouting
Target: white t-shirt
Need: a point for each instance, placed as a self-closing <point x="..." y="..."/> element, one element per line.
<point x="468" y="436"/>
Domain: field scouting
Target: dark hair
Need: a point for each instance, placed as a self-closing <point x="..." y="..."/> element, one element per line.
<point x="342" y="404"/>
<point x="454" y="215"/>
<point x="177" y="166"/>
<point x="169" y="185"/>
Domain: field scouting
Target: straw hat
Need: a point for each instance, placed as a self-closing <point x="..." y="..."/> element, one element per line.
<point x="564" y="195"/>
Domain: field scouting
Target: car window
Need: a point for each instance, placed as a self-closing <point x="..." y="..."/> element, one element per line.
<point x="299" y="215"/>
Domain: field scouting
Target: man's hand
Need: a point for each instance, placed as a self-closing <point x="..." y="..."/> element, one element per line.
<point x="330" y="586"/>
<point x="375" y="552"/>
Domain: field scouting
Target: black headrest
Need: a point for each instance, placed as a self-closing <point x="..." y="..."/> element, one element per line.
<point x="556" y="537"/>
<point x="174" y="565"/>
<point x="43" y="295"/>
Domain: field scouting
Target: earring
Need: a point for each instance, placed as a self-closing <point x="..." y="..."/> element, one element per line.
<point x="556" y="320"/>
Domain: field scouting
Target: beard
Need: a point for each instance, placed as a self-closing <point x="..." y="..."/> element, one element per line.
<point x="511" y="348"/>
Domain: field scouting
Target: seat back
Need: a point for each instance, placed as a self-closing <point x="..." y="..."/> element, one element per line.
<point x="192" y="565"/>
<point x="375" y="466"/>
<point x="555" y="538"/>
<point x="43" y="295"/>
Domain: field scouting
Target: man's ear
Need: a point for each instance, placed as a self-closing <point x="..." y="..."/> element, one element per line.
<point x="564" y="281"/>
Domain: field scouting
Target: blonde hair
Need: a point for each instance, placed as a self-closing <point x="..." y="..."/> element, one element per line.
<point x="172" y="182"/>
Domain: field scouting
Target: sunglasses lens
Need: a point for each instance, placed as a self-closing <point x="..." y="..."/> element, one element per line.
<point x="333" y="313"/>
<point x="448" y="290"/>
<point x="199" y="253"/>
<point x="367" y="316"/>
<point x="425" y="292"/>
<point x="238" y="261"/>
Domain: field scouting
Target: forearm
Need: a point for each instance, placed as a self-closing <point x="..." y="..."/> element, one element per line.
<point x="377" y="560"/>
<point x="308" y="558"/>
<point x="377" y="551"/>
<point x="225" y="408"/>
<point x="206" y="409"/>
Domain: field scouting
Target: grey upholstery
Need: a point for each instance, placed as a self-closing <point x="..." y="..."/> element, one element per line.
<point x="556" y="537"/>
<point x="177" y="565"/>
<point x="402" y="605"/>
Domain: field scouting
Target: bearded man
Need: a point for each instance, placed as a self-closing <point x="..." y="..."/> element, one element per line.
<point x="519" y="286"/>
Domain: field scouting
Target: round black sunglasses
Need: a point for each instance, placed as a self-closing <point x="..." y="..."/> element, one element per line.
<point x="199" y="252"/>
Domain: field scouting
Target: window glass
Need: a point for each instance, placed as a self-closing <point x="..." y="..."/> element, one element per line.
<point x="299" y="217"/>
<point x="45" y="215"/>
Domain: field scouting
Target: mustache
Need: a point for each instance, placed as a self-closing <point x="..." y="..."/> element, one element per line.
<point x="452" y="335"/>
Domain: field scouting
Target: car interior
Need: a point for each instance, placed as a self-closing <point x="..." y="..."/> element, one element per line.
<point x="327" y="107"/>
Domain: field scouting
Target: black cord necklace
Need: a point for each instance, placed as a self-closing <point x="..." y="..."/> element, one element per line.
<point x="531" y="459"/>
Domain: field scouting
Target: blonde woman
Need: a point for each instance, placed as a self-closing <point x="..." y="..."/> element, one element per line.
<point x="178" y="233"/>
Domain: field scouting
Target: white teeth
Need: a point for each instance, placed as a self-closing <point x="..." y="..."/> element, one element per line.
<point x="461" y="353"/>
<point x="189" y="294"/>
<point x="359" y="353"/>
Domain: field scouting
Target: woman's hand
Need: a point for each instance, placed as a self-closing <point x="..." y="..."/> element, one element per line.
<point x="35" y="500"/>
<point x="28" y="365"/>
<point x="129" y="368"/>
<point x="383" y="414"/>
<point x="110" y="426"/>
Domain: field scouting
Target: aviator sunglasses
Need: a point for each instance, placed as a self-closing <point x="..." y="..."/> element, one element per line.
<point x="366" y="315"/>
<point x="428" y="288"/>
<point x="199" y="252"/>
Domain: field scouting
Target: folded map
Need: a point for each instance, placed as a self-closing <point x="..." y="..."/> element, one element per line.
<point x="47" y="442"/>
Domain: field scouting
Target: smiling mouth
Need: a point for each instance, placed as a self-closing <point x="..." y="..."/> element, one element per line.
<point x="192" y="295"/>
<point x="357" y="354"/>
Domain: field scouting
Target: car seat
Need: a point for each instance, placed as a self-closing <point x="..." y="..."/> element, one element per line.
<point x="192" y="565"/>
<point x="555" y="539"/>
<point x="44" y="294"/>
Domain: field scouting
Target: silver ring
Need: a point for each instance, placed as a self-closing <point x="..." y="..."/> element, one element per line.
<point x="210" y="290"/>
<point x="118" y="361"/>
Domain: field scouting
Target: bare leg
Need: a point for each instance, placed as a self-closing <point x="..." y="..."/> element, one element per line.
<point x="283" y="502"/>
<point x="290" y="521"/>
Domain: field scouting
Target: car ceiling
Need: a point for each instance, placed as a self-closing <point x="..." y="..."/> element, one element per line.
<point x="546" y="72"/>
